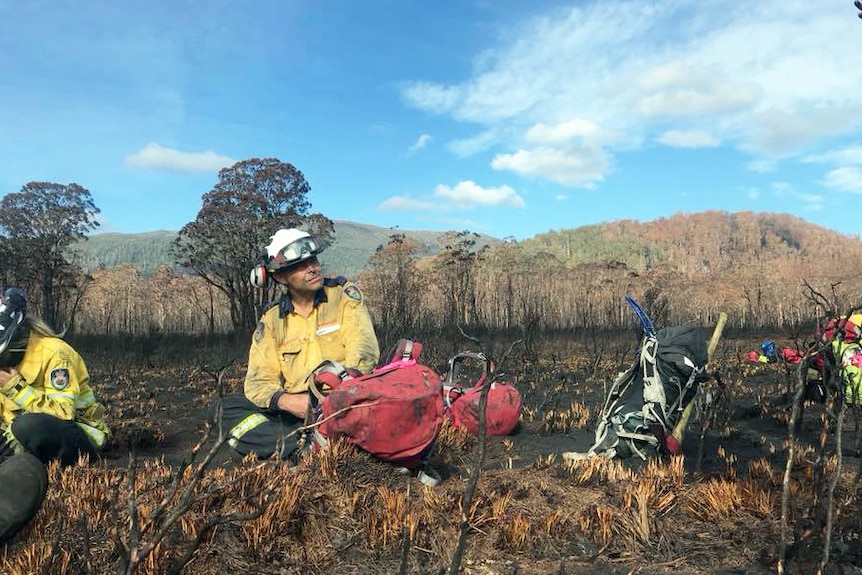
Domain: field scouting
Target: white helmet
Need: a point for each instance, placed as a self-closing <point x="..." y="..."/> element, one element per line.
<point x="286" y="248"/>
<point x="289" y="247"/>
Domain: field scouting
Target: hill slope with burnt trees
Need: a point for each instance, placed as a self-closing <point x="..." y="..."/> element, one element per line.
<point x="763" y="269"/>
<point x="756" y="264"/>
<point x="706" y="242"/>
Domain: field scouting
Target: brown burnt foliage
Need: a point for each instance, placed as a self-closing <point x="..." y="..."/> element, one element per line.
<point x="342" y="511"/>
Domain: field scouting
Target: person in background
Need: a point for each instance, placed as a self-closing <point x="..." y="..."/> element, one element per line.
<point x="316" y="319"/>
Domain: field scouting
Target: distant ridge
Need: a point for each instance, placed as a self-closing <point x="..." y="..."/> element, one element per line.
<point x="149" y="250"/>
<point x="694" y="245"/>
<point x="354" y="243"/>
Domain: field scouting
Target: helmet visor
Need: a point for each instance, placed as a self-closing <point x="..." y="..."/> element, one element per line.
<point x="296" y="252"/>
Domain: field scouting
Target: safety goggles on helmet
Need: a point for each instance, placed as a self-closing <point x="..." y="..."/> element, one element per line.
<point x="295" y="252"/>
<point x="13" y="305"/>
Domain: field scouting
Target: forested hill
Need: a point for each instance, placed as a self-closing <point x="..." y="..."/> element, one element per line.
<point x="690" y="244"/>
<point x="706" y="242"/>
<point x="353" y="245"/>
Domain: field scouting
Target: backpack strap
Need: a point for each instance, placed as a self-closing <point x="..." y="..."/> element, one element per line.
<point x="403" y="350"/>
<point x="330" y="374"/>
<point x="456" y="360"/>
<point x="655" y="401"/>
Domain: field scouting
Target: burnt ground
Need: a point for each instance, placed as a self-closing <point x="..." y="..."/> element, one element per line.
<point x="716" y="510"/>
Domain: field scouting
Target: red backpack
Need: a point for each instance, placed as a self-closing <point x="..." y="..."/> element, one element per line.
<point x="503" y="409"/>
<point x="394" y="413"/>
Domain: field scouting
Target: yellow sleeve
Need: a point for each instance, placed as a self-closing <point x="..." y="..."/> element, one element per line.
<point x="63" y="377"/>
<point x="361" y="349"/>
<point x="263" y="378"/>
<point x="8" y="410"/>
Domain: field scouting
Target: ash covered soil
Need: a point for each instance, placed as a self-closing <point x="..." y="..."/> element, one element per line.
<point x="716" y="509"/>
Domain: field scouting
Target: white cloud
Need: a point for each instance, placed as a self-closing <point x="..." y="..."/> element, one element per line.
<point x="155" y="157"/>
<point x="464" y="196"/>
<point x="811" y="202"/>
<point x="421" y="142"/>
<point x="468" y="146"/>
<point x="564" y="132"/>
<point x="561" y="197"/>
<point x="577" y="166"/>
<point x="848" y="155"/>
<point x="845" y="174"/>
<point x="781" y="188"/>
<point x="767" y="78"/>
<point x="431" y="97"/>
<point x="692" y="139"/>
<point x="846" y="179"/>
<point x="405" y="203"/>
<point x="676" y="89"/>
<point x="752" y="193"/>
<point x="761" y="166"/>
<point x="467" y="194"/>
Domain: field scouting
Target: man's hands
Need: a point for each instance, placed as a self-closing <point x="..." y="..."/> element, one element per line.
<point x="294" y="403"/>
<point x="6" y="374"/>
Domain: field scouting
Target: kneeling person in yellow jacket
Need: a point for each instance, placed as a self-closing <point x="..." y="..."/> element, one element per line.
<point x="316" y="319"/>
<point x="47" y="407"/>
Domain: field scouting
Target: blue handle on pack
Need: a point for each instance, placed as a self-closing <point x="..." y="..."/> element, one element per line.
<point x="645" y="321"/>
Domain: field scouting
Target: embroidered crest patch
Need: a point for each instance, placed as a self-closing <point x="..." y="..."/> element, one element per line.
<point x="258" y="333"/>
<point x="60" y="378"/>
<point x="353" y="293"/>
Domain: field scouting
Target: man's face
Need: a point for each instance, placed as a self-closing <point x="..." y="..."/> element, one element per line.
<point x="304" y="277"/>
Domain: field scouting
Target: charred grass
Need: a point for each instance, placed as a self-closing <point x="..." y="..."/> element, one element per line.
<point x="341" y="511"/>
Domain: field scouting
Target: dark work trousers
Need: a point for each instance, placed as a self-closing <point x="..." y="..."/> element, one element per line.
<point x="48" y="438"/>
<point x="254" y="430"/>
<point x="25" y="482"/>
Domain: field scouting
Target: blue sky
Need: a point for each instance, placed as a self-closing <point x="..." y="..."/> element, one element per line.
<point x="505" y="117"/>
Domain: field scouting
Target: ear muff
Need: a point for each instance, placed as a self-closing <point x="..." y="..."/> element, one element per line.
<point x="259" y="277"/>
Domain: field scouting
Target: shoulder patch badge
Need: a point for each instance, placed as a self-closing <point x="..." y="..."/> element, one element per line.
<point x="258" y="333"/>
<point x="59" y="378"/>
<point x="353" y="292"/>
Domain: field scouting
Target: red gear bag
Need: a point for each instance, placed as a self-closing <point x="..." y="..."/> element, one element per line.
<point x="394" y="413"/>
<point x="503" y="408"/>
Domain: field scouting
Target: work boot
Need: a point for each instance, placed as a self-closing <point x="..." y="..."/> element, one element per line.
<point x="23" y="484"/>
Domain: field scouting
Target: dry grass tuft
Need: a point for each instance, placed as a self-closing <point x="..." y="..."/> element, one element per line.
<point x="760" y="469"/>
<point x="576" y="416"/>
<point x="517" y="533"/>
<point x="597" y="470"/>
<point x="714" y="500"/>
<point x="452" y="443"/>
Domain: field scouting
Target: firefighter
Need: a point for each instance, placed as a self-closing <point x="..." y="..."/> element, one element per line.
<point x="47" y="410"/>
<point x="316" y="319"/>
<point x="47" y="406"/>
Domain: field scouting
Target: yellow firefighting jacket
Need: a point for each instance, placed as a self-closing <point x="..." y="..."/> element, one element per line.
<point x="849" y="357"/>
<point x="53" y="379"/>
<point x="286" y="347"/>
